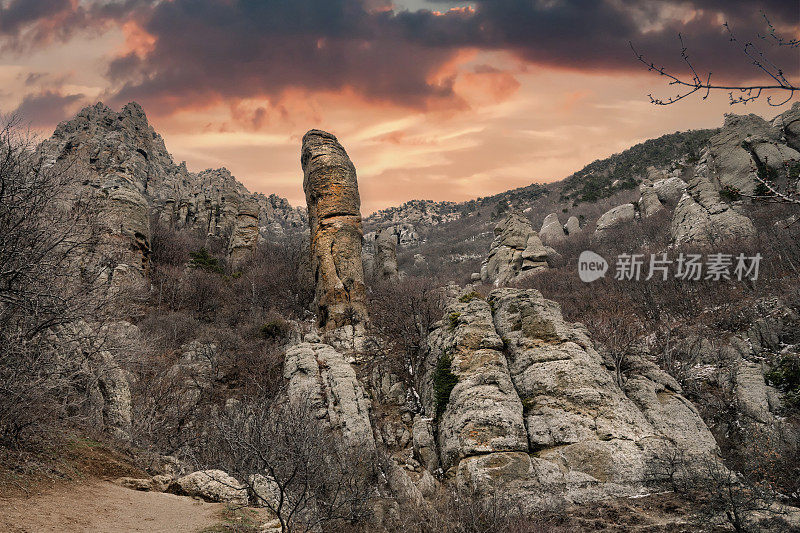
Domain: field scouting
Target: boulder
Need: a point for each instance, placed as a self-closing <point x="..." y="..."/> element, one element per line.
<point x="573" y="226"/>
<point x="552" y="231"/>
<point x="669" y="190"/>
<point x="334" y="217"/>
<point x="649" y="204"/>
<point x="211" y="486"/>
<point x="615" y="217"/>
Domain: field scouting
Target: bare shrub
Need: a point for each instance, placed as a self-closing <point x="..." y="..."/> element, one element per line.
<point x="47" y="230"/>
<point x="401" y="313"/>
<point x="291" y="463"/>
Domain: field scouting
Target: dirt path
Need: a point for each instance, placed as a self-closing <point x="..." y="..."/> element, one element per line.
<point x="103" y="507"/>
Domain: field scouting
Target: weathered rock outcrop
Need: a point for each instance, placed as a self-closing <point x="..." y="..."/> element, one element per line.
<point x="245" y="233"/>
<point x="745" y="142"/>
<point x="552" y="231"/>
<point x="615" y="217"/>
<point x="515" y="251"/>
<point x="334" y="216"/>
<point x="385" y="262"/>
<point x="702" y="218"/>
<point x="320" y="376"/>
<point x="132" y="175"/>
<point x="788" y="123"/>
<point x="537" y="413"/>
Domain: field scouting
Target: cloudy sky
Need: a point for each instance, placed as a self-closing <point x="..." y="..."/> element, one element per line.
<point x="432" y="99"/>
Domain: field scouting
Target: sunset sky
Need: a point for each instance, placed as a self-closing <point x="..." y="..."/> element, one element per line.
<point x="434" y="100"/>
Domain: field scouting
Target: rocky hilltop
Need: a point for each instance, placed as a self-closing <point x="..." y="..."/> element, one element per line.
<point x="127" y="163"/>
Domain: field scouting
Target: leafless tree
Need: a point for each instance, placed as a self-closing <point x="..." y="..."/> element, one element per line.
<point x="738" y="94"/>
<point x="50" y="288"/>
<point x="292" y="463"/>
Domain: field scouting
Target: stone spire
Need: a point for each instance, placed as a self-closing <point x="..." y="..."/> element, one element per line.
<point x="334" y="217"/>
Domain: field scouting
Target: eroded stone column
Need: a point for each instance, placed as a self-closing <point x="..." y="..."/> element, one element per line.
<point x="334" y="217"/>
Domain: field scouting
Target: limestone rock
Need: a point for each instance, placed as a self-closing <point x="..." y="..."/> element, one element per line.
<point x="424" y="443"/>
<point x="552" y="231"/>
<point x="615" y="217"/>
<point x="211" y="486"/>
<point x="701" y="217"/>
<point x="245" y="233"/>
<point x="334" y="217"/>
<point x="516" y="250"/>
<point x="320" y="375"/>
<point x="385" y="262"/>
<point x="573" y="226"/>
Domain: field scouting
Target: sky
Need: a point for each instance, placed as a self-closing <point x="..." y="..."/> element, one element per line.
<point x="436" y="100"/>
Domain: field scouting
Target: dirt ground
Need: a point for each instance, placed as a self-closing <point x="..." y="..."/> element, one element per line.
<point x="103" y="507"/>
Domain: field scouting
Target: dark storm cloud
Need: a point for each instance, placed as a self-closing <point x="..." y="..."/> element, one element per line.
<point x="209" y="50"/>
<point x="46" y="108"/>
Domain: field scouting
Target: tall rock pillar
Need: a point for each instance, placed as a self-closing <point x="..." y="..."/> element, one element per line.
<point x="334" y="217"/>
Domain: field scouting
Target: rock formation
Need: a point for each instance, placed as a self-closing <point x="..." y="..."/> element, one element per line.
<point x="615" y="217"/>
<point x="385" y="262"/>
<point x="245" y="233"/>
<point x="127" y="166"/>
<point x="702" y="218"/>
<point x="552" y="231"/>
<point x="745" y="142"/>
<point x="334" y="217"/>
<point x="319" y="375"/>
<point x="515" y="251"/>
<point x="535" y="409"/>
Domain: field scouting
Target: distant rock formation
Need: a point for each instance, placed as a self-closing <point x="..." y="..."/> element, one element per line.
<point x="385" y="262"/>
<point x="515" y="251"/>
<point x="703" y="218"/>
<point x="669" y="190"/>
<point x="535" y="410"/>
<point x="127" y="166"/>
<point x="552" y="231"/>
<point x="334" y="217"/>
<point x="245" y="234"/>
<point x="747" y="141"/>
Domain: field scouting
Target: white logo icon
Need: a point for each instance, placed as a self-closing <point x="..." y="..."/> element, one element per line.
<point x="591" y="266"/>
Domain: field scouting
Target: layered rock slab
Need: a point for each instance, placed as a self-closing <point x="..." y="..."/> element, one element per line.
<point x="334" y="217"/>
